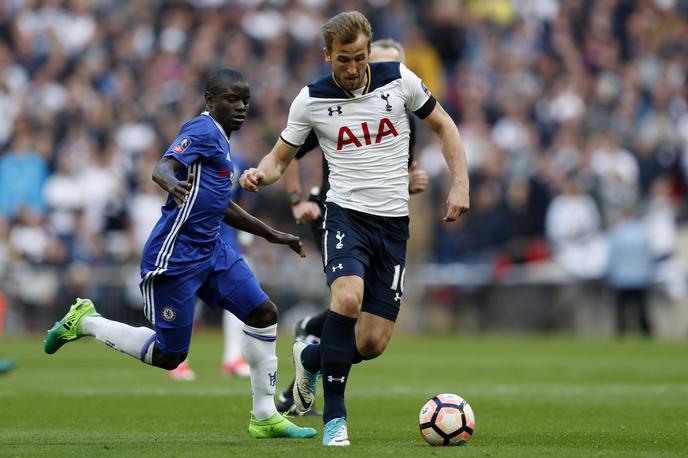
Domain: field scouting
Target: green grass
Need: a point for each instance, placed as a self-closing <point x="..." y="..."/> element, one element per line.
<point x="532" y="396"/>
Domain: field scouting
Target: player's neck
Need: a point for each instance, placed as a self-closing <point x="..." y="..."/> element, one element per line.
<point x="226" y="130"/>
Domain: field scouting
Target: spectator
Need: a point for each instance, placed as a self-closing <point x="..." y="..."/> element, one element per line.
<point x="22" y="176"/>
<point x="630" y="270"/>
<point x="573" y="225"/>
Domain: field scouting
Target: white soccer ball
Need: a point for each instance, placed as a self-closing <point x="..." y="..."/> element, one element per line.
<point x="446" y="419"/>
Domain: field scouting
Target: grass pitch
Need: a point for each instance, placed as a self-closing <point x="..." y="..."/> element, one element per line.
<point x="542" y="396"/>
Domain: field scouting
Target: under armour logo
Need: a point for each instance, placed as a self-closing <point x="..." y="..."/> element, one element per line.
<point x="336" y="379"/>
<point x="339" y="244"/>
<point x="339" y="266"/>
<point x="397" y="297"/>
<point x="337" y="110"/>
<point x="273" y="378"/>
<point x="384" y="97"/>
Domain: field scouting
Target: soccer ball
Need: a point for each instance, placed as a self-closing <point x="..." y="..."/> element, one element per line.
<point x="446" y="419"/>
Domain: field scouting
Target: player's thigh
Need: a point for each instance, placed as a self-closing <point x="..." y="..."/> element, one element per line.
<point x="234" y="289"/>
<point x="373" y="333"/>
<point x="169" y="300"/>
<point x="173" y="341"/>
<point x="345" y="235"/>
<point x="384" y="281"/>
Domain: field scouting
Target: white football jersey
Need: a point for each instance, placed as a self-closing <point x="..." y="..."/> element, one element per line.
<point x="364" y="135"/>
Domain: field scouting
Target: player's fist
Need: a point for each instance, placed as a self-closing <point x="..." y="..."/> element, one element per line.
<point x="251" y="179"/>
<point x="418" y="179"/>
<point x="305" y="212"/>
<point x="181" y="190"/>
<point x="457" y="202"/>
<point x="292" y="240"/>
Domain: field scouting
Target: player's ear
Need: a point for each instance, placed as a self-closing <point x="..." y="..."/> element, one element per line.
<point x="328" y="57"/>
<point x="208" y="97"/>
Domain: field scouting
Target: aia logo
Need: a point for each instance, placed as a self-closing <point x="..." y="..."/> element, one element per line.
<point x="347" y="137"/>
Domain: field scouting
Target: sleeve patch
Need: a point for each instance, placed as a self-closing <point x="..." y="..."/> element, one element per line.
<point x="425" y="89"/>
<point x="182" y="145"/>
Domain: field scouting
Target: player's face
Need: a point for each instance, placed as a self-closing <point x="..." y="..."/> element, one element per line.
<point x="349" y="62"/>
<point x="229" y="106"/>
<point x="380" y="54"/>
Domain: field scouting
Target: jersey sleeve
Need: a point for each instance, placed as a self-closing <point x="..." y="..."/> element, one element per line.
<point x="419" y="99"/>
<point x="192" y="143"/>
<point x="299" y="122"/>
<point x="308" y="145"/>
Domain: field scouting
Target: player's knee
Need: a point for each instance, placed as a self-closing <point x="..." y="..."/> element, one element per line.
<point x="168" y="361"/>
<point x="265" y="315"/>
<point x="347" y="303"/>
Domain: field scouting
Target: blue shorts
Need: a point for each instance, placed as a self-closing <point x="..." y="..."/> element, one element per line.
<point x="371" y="247"/>
<point x="223" y="281"/>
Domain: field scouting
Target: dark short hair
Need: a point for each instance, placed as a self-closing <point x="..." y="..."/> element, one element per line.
<point x="222" y="79"/>
<point x="346" y="27"/>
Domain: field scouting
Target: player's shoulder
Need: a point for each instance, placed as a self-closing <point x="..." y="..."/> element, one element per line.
<point x="383" y="73"/>
<point x="202" y="126"/>
<point x="325" y="87"/>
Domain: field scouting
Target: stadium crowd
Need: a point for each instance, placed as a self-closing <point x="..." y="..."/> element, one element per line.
<point x="574" y="116"/>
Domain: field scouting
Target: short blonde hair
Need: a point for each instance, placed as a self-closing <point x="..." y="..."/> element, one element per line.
<point x="346" y="27"/>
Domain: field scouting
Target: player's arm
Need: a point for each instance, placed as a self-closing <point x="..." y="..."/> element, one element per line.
<point x="304" y="211"/>
<point x="164" y="175"/>
<point x="271" y="167"/>
<point x="454" y="153"/>
<point x="239" y="218"/>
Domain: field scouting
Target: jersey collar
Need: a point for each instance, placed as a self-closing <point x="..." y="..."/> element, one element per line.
<point x="218" y="125"/>
<point x="349" y="94"/>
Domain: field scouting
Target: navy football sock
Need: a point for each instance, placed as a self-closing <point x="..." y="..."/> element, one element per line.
<point x="310" y="358"/>
<point x="315" y="324"/>
<point x="337" y="348"/>
<point x="358" y="357"/>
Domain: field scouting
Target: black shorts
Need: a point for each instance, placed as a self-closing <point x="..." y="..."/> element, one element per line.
<point x="371" y="247"/>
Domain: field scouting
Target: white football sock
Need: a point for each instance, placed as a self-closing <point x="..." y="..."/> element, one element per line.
<point x="233" y="336"/>
<point x="259" y="348"/>
<point x="121" y="337"/>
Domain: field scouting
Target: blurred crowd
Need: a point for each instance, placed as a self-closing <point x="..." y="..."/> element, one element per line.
<point x="574" y="115"/>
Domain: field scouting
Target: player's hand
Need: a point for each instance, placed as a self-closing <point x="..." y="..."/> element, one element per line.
<point x="294" y="242"/>
<point x="418" y="179"/>
<point x="251" y="179"/>
<point x="181" y="190"/>
<point x="457" y="202"/>
<point x="305" y="212"/>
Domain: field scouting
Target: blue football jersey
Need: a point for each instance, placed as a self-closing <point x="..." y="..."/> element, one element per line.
<point x="187" y="235"/>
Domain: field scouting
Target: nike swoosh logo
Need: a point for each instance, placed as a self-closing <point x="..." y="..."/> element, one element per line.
<point x="303" y="401"/>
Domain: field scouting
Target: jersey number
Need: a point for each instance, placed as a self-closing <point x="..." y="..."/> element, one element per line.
<point x="396" y="282"/>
